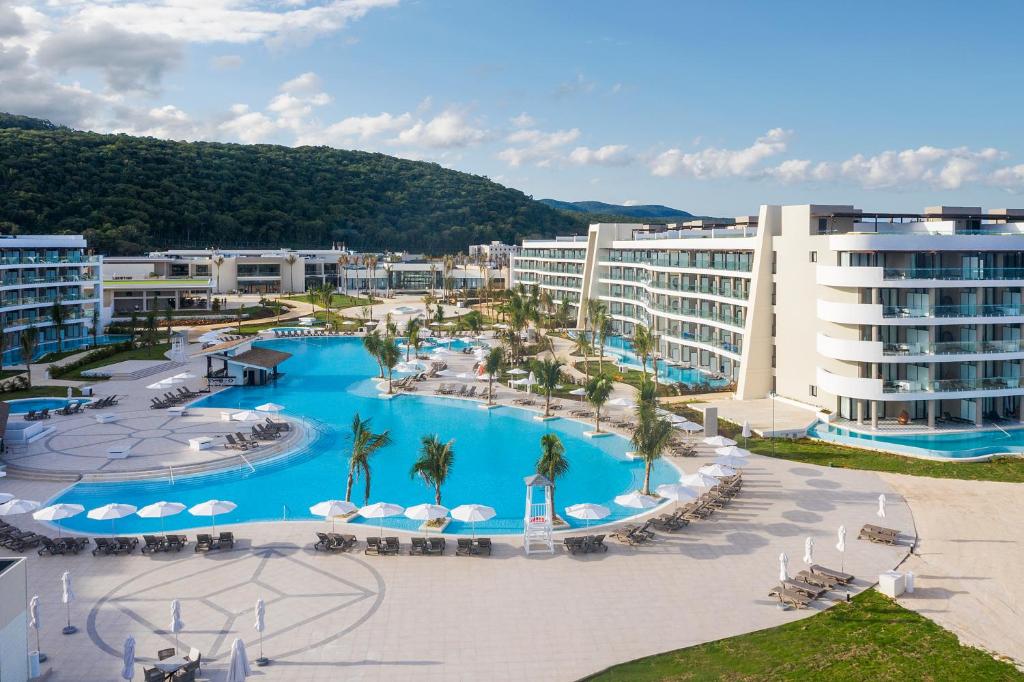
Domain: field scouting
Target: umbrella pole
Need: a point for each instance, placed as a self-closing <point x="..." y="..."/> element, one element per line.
<point x="42" y="656"/>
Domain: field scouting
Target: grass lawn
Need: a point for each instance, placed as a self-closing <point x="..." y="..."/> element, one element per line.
<point x="631" y="377"/>
<point x="338" y="301"/>
<point x="871" y="638"/>
<point x="1006" y="469"/>
<point x="8" y="373"/>
<point x="40" y="392"/>
<point x="152" y="353"/>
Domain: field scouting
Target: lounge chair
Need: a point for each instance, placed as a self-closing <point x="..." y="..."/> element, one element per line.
<point x="52" y="548"/>
<point x="464" y="547"/>
<point x="234" y="444"/>
<point x="481" y="545"/>
<point x="342" y="542"/>
<point x="26" y="542"/>
<point x="418" y="546"/>
<point x="103" y="546"/>
<point x="815" y="579"/>
<point x="635" y="535"/>
<point x="435" y="546"/>
<point x="30" y="416"/>
<point x="175" y="542"/>
<point x="153" y="544"/>
<point x="844" y="578"/>
<point x="880" y="538"/>
<point x="125" y="544"/>
<point x="595" y="543"/>
<point x="391" y="545"/>
<point x="226" y="539"/>
<point x="574" y="544"/>
<point x="374" y="545"/>
<point x="812" y="591"/>
<point x="323" y="543"/>
<point x="246" y="441"/>
<point x="670" y="522"/>
<point x="44" y="414"/>
<point x="205" y="542"/>
<point x="790" y="597"/>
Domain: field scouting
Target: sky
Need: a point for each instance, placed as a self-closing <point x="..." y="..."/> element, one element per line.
<point x="714" y="108"/>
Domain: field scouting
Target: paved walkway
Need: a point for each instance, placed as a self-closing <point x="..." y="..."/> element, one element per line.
<point x="968" y="560"/>
<point x="765" y="418"/>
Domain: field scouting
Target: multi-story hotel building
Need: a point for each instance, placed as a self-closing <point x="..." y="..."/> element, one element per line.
<point x="39" y="271"/>
<point x="907" y="318"/>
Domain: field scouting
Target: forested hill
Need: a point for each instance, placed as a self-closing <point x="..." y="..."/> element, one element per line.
<point x="131" y="194"/>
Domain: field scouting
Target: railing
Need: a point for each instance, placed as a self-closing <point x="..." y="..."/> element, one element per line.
<point x="987" y="310"/>
<point x="950" y="385"/>
<point x="42" y="260"/>
<point x="953" y="347"/>
<point x="962" y="273"/>
<point x="696" y="263"/>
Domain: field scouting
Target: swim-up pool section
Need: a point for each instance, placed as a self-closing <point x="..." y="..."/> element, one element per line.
<point x="326" y="382"/>
<point x="956" y="445"/>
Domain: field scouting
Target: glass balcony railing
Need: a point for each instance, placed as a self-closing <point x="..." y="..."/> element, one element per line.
<point x="22" y="259"/>
<point x="953" y="347"/>
<point x="950" y="385"/>
<point x="953" y="273"/>
<point x="988" y="310"/>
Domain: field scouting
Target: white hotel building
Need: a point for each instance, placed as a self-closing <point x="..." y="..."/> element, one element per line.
<point x="874" y="316"/>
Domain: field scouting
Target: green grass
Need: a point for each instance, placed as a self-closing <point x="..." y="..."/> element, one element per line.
<point x="1005" y="469"/>
<point x="870" y="638"/>
<point x="40" y="392"/>
<point x="632" y="377"/>
<point x="152" y="353"/>
<point x="8" y="373"/>
<point x="338" y="301"/>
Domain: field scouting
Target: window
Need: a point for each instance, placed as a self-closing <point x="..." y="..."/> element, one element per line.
<point x="822" y="225"/>
<point x="814" y="256"/>
<point x="814" y="391"/>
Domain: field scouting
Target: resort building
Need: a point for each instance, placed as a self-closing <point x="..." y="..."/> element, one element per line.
<point x="40" y="272"/>
<point x="151" y="283"/>
<point x="911" y="319"/>
<point x="495" y="253"/>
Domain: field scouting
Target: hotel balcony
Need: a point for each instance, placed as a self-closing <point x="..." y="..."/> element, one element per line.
<point x="876" y="314"/>
<point x="905" y="390"/>
<point x="853" y="350"/>
<point x="910" y="277"/>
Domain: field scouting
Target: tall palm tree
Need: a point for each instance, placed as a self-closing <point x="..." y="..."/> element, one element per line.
<point x="553" y="464"/>
<point x="389" y="357"/>
<point x="598" y="389"/>
<point x="370" y="262"/>
<point x="292" y="259"/>
<point x="343" y="261"/>
<point x="365" y="443"/>
<point x="57" y="317"/>
<point x="169" y="319"/>
<point x="29" y="341"/>
<point x="643" y="345"/>
<point x="218" y="262"/>
<point x="412" y="336"/>
<point x="548" y="374"/>
<point x="583" y="348"/>
<point x="428" y="301"/>
<point x="601" y="325"/>
<point x="434" y="464"/>
<point x="651" y="437"/>
<point x="494" y="364"/>
<point x="373" y="342"/>
<point x="95" y="325"/>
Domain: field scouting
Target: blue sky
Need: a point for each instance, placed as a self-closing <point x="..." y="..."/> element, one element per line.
<point x="710" y="107"/>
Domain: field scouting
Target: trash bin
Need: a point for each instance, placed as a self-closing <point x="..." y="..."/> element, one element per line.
<point x="34" y="669"/>
<point x="87" y="391"/>
<point x="909" y="582"/>
<point x="892" y="584"/>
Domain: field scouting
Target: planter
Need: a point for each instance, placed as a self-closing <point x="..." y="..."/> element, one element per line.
<point x="542" y="418"/>
<point x="595" y="434"/>
<point x="485" y="406"/>
<point x="425" y="528"/>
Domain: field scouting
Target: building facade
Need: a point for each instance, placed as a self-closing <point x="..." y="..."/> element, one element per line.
<point x="910" y="319"/>
<point x="143" y="284"/>
<point x="39" y="273"/>
<point x="495" y="253"/>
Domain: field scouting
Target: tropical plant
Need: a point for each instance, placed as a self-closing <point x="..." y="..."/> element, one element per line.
<point x="582" y="347"/>
<point x="95" y="324"/>
<point x="643" y="345"/>
<point x="389" y="356"/>
<point x="370" y="262"/>
<point x="602" y="323"/>
<point x="29" y="341"/>
<point x="343" y="261"/>
<point x="365" y="444"/>
<point x="150" y="335"/>
<point x="651" y="436"/>
<point x="291" y="259"/>
<point x="373" y="342"/>
<point x="494" y="364"/>
<point x="553" y="464"/>
<point x="562" y="314"/>
<point x="548" y="374"/>
<point x="473" y="321"/>
<point x="169" y="319"/>
<point x="133" y="326"/>
<point x="57" y="317"/>
<point x="218" y="262"/>
<point x="598" y="389"/>
<point x="412" y="336"/>
<point x="434" y="464"/>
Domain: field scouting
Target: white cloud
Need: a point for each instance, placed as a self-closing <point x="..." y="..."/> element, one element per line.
<point x="608" y="155"/>
<point x="227" y="62"/>
<point x="943" y="168"/>
<point x="448" y="129"/>
<point x="580" y="85"/>
<point x="358" y="129"/>
<point x="248" y="126"/>
<point x="713" y="162"/>
<point x="523" y="120"/>
<point x="536" y="146"/>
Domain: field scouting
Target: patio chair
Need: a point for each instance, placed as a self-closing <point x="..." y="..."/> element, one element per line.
<point x="279" y="426"/>
<point x="246" y="441"/>
<point x="391" y="545"/>
<point x="44" y="414"/>
<point x="153" y="675"/>
<point x="164" y="654"/>
<point x="464" y="547"/>
<point x="375" y="545"/>
<point x="103" y="546"/>
<point x="26" y="542"/>
<point x="73" y="544"/>
<point x="481" y="545"/>
<point x="226" y="539"/>
<point x="204" y="543"/>
<point x="126" y="544"/>
<point x="52" y="548"/>
<point x="30" y="416"/>
<point x="342" y="541"/>
<point x="195" y="657"/>
<point x="844" y="578"/>
<point x="323" y="543"/>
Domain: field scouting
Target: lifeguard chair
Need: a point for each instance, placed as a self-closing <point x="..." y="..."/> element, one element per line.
<point x="538" y="519"/>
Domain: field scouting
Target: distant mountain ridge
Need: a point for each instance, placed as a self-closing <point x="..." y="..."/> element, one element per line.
<point x="644" y="211"/>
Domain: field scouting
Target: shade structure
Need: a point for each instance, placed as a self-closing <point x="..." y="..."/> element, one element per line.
<point x="620" y="402"/>
<point x="56" y="512"/>
<point x="270" y="407"/>
<point x="260" y="612"/>
<point x="746" y="430"/>
<point x="587" y="512"/>
<point x="245" y="416"/>
<point x="163" y="384"/>
<point x="67" y="595"/>
<point x="238" y="664"/>
<point x="732" y="451"/>
<point x="636" y="500"/>
<point x="881" y="507"/>
<point x="18" y="506"/>
<point x="185" y="375"/>
<point x="689" y="427"/>
<point x="809" y="550"/>
<point x="783" y="562"/>
<point x="160" y="510"/>
<point x="719" y="441"/>
<point x="331" y="509"/>
<point x="717" y="470"/>
<point x="5" y="497"/>
<point x="426" y="512"/>
<point x="578" y="391"/>
<point x="381" y="510"/>
<point x="212" y="508"/>
<point x="111" y="512"/>
<point x="128" y="659"/>
<point x="698" y="480"/>
<point x="732" y="462"/>
<point x="176" y="625"/>
<point x="472" y="514"/>
<point x="677" y="492"/>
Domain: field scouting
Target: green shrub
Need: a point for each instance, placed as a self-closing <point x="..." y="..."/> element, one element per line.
<point x="57" y="371"/>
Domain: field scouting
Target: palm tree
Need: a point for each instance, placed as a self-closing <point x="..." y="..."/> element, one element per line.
<point x="218" y="261"/>
<point x="370" y="262"/>
<point x="95" y="325"/>
<point x="29" y="341"/>
<point x="389" y="357"/>
<point x="412" y="336"/>
<point x="548" y="374"/>
<point x="553" y="463"/>
<point x="494" y="364"/>
<point x="169" y="319"/>
<point x="599" y="389"/>
<point x="562" y="315"/>
<point x="651" y="437"/>
<point x="292" y="259"/>
<point x="325" y="296"/>
<point x="343" y="272"/>
<point x="583" y="348"/>
<point x="373" y="342"/>
<point x="428" y="302"/>
<point x="57" y="316"/>
<point x="601" y="326"/>
<point x="643" y="345"/>
<point x="365" y="443"/>
<point x="133" y="327"/>
<point x="434" y="464"/>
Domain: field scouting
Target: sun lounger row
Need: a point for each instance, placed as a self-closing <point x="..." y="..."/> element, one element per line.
<point x="163" y="543"/>
<point x="36" y="415"/>
<point x="170" y="399"/>
<point x="205" y="542"/>
<point x="18" y="540"/>
<point x="585" y="544"/>
<point x="879" y="534"/>
<point x="334" y="542"/>
<point x="69" y="409"/>
<point x="424" y="546"/>
<point x="702" y="508"/>
<point x="107" y="401"/>
<point x="806" y="586"/>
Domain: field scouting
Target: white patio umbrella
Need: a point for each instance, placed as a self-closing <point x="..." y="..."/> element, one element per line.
<point x="18" y="506"/>
<point x="717" y="470"/>
<point x="56" y="512"/>
<point x="841" y="546"/>
<point x="176" y="623"/>
<point x="783" y="561"/>
<point x="159" y="510"/>
<point x="881" y="506"/>
<point x="212" y="508"/>
<point x="184" y="375"/>
<point x="426" y="513"/>
<point x="163" y="384"/>
<point x="809" y="550"/>
<point x="517" y="371"/>
<point x="111" y="512"/>
<point x="732" y="451"/>
<point x="381" y="510"/>
<point x="238" y="664"/>
<point x="580" y="392"/>
<point x="745" y="432"/>
<point x="620" y="402"/>
<point x="636" y="500"/>
<point x="331" y="509"/>
<point x="719" y="441"/>
<point x="270" y="407"/>
<point x="587" y="512"/>
<point x="5" y="497"/>
<point x="677" y="492"/>
<point x="35" y="623"/>
<point x="244" y="416"/>
<point x="472" y="513"/>
<point x="732" y="462"/>
<point x="260" y="625"/>
<point x="128" y="659"/>
<point x="698" y="480"/>
<point x="67" y="595"/>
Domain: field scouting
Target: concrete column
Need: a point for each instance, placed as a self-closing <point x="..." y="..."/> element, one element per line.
<point x="862" y="411"/>
<point x="1020" y="409"/>
<point x="874" y="414"/>
<point x="978" y="402"/>
<point x="931" y="414"/>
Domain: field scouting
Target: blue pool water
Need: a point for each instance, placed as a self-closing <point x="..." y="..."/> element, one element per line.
<point x="621" y="347"/>
<point x="28" y="404"/>
<point x="326" y="381"/>
<point x="12" y="356"/>
<point x="959" y="445"/>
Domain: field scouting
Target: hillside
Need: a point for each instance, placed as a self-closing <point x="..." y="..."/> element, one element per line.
<point x="130" y="194"/>
<point x="643" y="212"/>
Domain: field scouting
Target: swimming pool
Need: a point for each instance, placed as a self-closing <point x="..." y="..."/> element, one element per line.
<point x="12" y="356"/>
<point x="328" y="380"/>
<point x="28" y="404"/>
<point x="621" y="347"/>
<point x="958" y="445"/>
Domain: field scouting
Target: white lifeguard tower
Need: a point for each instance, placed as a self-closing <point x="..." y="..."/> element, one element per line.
<point x="538" y="519"/>
<point x="179" y="347"/>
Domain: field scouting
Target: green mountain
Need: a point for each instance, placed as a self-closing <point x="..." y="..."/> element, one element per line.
<point x="131" y="194"/>
<point x="643" y="212"/>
